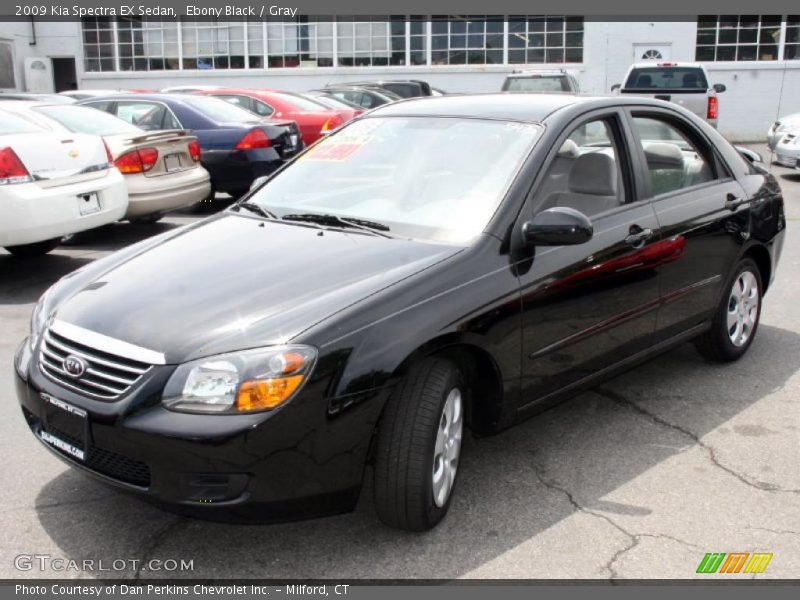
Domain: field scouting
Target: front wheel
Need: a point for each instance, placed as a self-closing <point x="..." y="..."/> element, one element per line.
<point x="419" y="446"/>
<point x="34" y="250"/>
<point x="736" y="319"/>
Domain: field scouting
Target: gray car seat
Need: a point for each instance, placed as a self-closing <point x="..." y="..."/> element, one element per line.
<point x="592" y="185"/>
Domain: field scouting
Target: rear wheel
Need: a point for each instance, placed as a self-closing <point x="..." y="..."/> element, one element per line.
<point x="34" y="250"/>
<point x="419" y="446"/>
<point x="736" y="320"/>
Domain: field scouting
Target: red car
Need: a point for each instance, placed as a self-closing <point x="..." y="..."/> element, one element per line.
<point x="314" y="119"/>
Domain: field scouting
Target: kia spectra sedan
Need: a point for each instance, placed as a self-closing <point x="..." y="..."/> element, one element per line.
<point x="441" y="264"/>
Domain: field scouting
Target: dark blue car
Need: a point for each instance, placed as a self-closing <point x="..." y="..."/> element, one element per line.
<point x="237" y="146"/>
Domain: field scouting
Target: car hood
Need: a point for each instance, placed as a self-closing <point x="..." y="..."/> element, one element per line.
<point x="234" y="282"/>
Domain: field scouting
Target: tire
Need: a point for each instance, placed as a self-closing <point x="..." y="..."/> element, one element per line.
<point x="34" y="250"/>
<point x="419" y="437"/>
<point x="736" y="319"/>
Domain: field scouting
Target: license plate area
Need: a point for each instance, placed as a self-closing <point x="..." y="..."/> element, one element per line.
<point x="88" y="203"/>
<point x="65" y="427"/>
<point x="172" y="162"/>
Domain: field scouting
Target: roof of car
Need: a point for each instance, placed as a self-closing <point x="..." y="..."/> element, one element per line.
<point x="157" y="97"/>
<point x="511" y="106"/>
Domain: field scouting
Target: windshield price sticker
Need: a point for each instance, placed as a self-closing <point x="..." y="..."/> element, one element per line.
<point x="337" y="150"/>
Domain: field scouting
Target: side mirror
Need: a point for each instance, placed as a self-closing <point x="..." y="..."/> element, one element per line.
<point x="751" y="155"/>
<point x="719" y="87"/>
<point x="615" y="87"/>
<point x="559" y="226"/>
<point x="258" y="182"/>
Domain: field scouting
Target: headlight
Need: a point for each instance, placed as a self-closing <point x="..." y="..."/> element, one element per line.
<point x="241" y="382"/>
<point x="38" y="320"/>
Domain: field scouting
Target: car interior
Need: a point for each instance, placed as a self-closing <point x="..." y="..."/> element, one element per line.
<point x="585" y="175"/>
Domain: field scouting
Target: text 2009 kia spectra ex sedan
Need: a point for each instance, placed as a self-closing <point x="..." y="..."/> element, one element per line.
<point x="443" y="263"/>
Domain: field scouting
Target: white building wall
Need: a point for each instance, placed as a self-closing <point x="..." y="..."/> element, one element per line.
<point x="757" y="92"/>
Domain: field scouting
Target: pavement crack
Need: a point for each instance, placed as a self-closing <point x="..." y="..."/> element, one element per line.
<point x="633" y="540"/>
<point x="155" y="541"/>
<point x="759" y="485"/>
<point x="777" y="531"/>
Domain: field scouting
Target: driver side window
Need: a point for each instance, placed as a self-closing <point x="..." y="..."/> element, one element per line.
<point x="586" y="173"/>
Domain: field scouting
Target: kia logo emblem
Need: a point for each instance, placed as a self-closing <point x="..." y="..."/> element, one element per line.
<point x="74" y="366"/>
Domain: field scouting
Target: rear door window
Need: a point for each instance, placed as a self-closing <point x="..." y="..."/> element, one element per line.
<point x="674" y="161"/>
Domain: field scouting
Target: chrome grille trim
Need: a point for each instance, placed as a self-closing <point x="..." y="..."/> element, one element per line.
<point x="107" y="377"/>
<point x="109" y="345"/>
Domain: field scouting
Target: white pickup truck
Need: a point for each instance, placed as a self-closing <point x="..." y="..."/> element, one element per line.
<point x="683" y="83"/>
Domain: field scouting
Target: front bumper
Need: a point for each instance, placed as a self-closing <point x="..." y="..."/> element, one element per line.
<point x="787" y="155"/>
<point x="295" y="462"/>
<point x="234" y="171"/>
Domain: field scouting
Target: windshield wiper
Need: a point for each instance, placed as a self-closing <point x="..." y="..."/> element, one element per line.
<point x="257" y="209"/>
<point x="331" y="219"/>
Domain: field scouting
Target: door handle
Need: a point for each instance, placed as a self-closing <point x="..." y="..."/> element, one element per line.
<point x="732" y="202"/>
<point x="638" y="236"/>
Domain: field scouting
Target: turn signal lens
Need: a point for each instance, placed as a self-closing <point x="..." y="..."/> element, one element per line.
<point x="266" y="394"/>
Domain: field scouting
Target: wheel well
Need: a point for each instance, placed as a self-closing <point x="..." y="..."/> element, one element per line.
<point x="762" y="258"/>
<point x="485" y="384"/>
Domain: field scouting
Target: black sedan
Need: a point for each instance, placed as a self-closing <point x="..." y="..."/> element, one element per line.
<point x="236" y="146"/>
<point x="438" y="264"/>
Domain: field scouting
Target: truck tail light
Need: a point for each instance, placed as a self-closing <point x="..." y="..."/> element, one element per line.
<point x="11" y="168"/>
<point x="713" y="107"/>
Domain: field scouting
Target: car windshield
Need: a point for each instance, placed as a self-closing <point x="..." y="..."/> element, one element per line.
<point x="666" y="78"/>
<point x="219" y="110"/>
<point x="88" y="120"/>
<point x="13" y="124"/>
<point x="537" y="84"/>
<point x="435" y="178"/>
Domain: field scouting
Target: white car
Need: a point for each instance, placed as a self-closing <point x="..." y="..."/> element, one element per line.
<point x="161" y="168"/>
<point x="781" y="127"/>
<point x="53" y="184"/>
<point x="787" y="150"/>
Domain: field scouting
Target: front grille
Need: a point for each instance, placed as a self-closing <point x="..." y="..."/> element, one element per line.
<point x="107" y="376"/>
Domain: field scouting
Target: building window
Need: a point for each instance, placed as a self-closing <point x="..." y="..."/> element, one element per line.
<point x="99" y="49"/>
<point x="373" y="43"/>
<point x="738" y="37"/>
<point x="791" y="50"/>
<point x="135" y="44"/>
<point x="537" y="39"/>
<point x="466" y="40"/>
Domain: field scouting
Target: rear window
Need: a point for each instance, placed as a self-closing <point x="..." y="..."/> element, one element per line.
<point x="538" y="84"/>
<point x="88" y="120"/>
<point x="219" y="110"/>
<point x="666" y="78"/>
<point x="13" y="124"/>
<point x="299" y="102"/>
